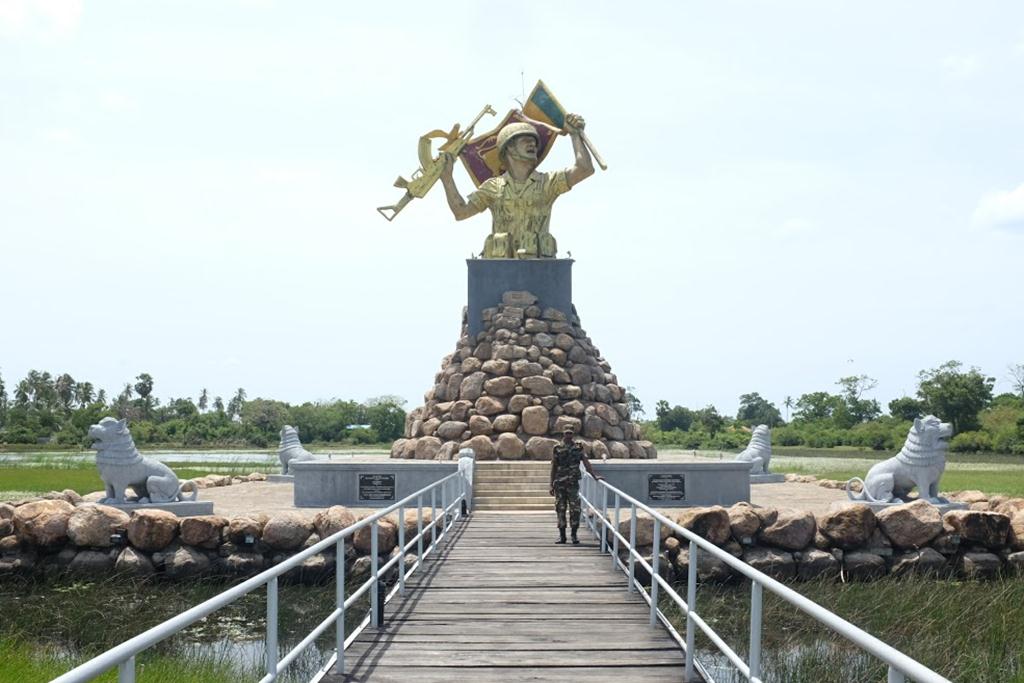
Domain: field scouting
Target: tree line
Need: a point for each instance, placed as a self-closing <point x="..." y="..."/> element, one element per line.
<point x="43" y="408"/>
<point x="824" y="419"/>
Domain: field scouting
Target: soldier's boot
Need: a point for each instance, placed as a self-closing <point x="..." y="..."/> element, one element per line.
<point x="561" y="535"/>
<point x="575" y="540"/>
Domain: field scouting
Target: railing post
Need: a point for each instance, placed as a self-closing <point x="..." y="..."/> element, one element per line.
<point x="615" y="538"/>
<point x="632" y="546"/>
<point x="691" y="608"/>
<point x="272" y="627"/>
<point x="895" y="676"/>
<point x="126" y="671"/>
<point x="604" y="517"/>
<point x="755" y="629"/>
<point x="401" y="550"/>
<point x="419" y="529"/>
<point x="374" y="563"/>
<point x="433" y="518"/>
<point x="655" y="553"/>
<point x="339" y="590"/>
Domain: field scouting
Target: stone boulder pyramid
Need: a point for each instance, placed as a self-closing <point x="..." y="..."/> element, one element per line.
<point x="509" y="392"/>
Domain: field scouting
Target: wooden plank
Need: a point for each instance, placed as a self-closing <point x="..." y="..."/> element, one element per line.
<point x="609" y="674"/>
<point x="501" y="602"/>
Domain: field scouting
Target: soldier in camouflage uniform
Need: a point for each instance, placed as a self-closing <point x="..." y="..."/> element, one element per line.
<point x="565" y="482"/>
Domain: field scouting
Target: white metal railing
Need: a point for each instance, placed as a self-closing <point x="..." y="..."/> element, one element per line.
<point x="900" y="665"/>
<point x="445" y="496"/>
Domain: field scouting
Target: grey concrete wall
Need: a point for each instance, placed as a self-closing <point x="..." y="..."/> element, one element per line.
<point x="719" y="483"/>
<point x="550" y="280"/>
<point x="323" y="483"/>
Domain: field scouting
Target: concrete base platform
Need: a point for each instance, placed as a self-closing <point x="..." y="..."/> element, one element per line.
<point x="322" y="483"/>
<point x="876" y="507"/>
<point x="185" y="508"/>
<point x="679" y="484"/>
<point x="281" y="478"/>
<point x="767" y="478"/>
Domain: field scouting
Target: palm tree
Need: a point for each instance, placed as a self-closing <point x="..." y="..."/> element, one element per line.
<point x="84" y="394"/>
<point x="789" y="404"/>
<point x="204" y="400"/>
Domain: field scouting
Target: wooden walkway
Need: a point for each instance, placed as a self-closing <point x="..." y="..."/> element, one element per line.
<point x="501" y="602"/>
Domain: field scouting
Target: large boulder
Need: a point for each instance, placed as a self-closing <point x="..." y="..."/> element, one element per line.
<point x="482" y="447"/>
<point x="986" y="528"/>
<point x="791" y="529"/>
<point x="152" y="529"/>
<point x="246" y="529"/>
<point x="203" y="531"/>
<point x="644" y="530"/>
<point x="539" y="385"/>
<point x="43" y="522"/>
<point x="509" y="446"/>
<point x="812" y="564"/>
<point x="777" y="564"/>
<point x="912" y="525"/>
<point x="387" y="537"/>
<point x="92" y="564"/>
<point x="182" y="562"/>
<point x="131" y="561"/>
<point x="451" y="430"/>
<point x="925" y="561"/>
<point x="488" y="405"/>
<point x="540" y="448"/>
<point x="502" y="386"/>
<point x="979" y="565"/>
<point x="287" y="531"/>
<point x="92" y="525"/>
<point x="1016" y="536"/>
<point x="535" y="420"/>
<point x="848" y="526"/>
<point x="864" y="566"/>
<point x="332" y="520"/>
<point x="744" y="522"/>
<point x="428" y="447"/>
<point x="711" y="523"/>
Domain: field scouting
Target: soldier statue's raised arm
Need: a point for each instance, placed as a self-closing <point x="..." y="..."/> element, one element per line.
<point x="520" y="199"/>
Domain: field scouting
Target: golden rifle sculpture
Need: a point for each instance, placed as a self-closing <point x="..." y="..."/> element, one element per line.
<point x="430" y="166"/>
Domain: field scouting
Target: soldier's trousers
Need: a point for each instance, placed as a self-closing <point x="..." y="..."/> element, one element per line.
<point x="567" y="498"/>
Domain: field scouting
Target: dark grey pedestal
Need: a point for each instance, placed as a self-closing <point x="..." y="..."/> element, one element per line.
<point x="550" y="280"/>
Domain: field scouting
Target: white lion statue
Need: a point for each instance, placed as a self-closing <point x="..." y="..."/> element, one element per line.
<point x="122" y="466"/>
<point x="759" y="451"/>
<point x="920" y="464"/>
<point x="291" y="449"/>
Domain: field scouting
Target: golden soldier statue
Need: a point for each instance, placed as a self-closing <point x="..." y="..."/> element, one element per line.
<point x="520" y="199"/>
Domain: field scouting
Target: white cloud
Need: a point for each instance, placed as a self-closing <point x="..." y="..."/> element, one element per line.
<point x="60" y="136"/>
<point x="962" y="66"/>
<point x="1001" y="210"/>
<point x="117" y="102"/>
<point x="39" y="18"/>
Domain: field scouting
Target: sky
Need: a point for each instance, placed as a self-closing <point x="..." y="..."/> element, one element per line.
<point x="797" y="190"/>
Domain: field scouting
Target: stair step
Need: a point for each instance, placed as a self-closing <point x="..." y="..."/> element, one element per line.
<point x="512" y="481"/>
<point x="513" y="507"/>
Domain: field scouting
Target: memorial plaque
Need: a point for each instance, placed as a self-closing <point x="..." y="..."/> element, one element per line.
<point x="376" y="487"/>
<point x="666" y="487"/>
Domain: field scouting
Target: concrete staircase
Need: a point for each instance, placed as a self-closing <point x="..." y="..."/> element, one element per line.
<point x="515" y="485"/>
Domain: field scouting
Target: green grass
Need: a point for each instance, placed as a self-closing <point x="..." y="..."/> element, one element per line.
<point x="22" y="661"/>
<point x="1010" y="483"/>
<point x="966" y="631"/>
<point x="50" y="626"/>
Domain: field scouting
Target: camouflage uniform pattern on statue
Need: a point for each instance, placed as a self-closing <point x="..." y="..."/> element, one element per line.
<point x="566" y="483"/>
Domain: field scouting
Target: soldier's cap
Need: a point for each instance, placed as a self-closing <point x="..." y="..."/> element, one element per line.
<point x="569" y="430"/>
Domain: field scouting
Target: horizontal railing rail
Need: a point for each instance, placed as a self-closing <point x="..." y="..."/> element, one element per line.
<point x="900" y="666"/>
<point x="446" y="496"/>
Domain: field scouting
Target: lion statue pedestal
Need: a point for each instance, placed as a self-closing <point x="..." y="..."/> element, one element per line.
<point x="289" y="451"/>
<point x="122" y="467"/>
<point x="759" y="453"/>
<point x="919" y="464"/>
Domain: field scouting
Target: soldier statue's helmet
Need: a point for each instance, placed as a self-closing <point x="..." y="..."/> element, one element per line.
<point x="569" y="430"/>
<point x="514" y="130"/>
